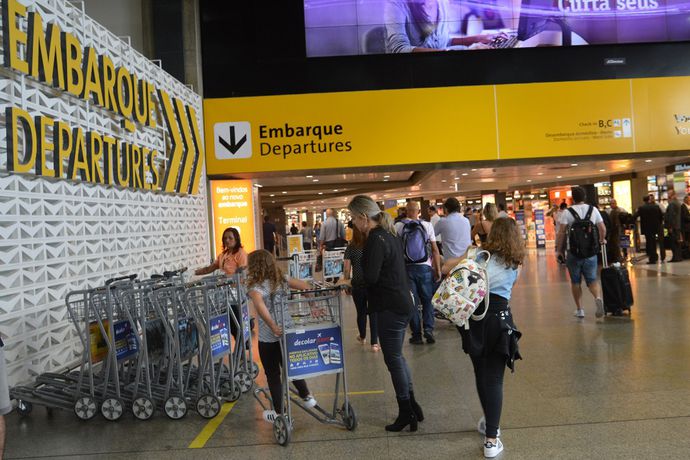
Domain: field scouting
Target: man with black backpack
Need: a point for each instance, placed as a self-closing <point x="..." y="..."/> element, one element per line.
<point x="583" y="227"/>
<point x="423" y="264"/>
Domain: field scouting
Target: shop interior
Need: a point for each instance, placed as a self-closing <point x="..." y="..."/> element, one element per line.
<point x="528" y="190"/>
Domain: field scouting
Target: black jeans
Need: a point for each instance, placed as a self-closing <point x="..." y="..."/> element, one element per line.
<point x="272" y="360"/>
<point x="650" y="246"/>
<point x="391" y="337"/>
<point x="488" y="373"/>
<point x="359" y="296"/>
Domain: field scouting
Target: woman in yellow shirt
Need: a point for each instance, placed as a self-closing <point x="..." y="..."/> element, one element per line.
<point x="233" y="256"/>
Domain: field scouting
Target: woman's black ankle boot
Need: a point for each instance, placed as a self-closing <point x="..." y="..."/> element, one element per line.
<point x="416" y="408"/>
<point x="405" y="417"/>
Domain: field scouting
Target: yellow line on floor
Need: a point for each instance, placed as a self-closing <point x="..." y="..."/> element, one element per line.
<point x="354" y="393"/>
<point x="211" y="427"/>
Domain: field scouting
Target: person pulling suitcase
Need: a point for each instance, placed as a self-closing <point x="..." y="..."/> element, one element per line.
<point x="615" y="284"/>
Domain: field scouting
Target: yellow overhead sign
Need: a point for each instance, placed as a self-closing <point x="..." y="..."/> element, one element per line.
<point x="437" y="125"/>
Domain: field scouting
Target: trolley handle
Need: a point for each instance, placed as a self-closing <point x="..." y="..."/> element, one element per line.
<point x="131" y="277"/>
<point x="167" y="274"/>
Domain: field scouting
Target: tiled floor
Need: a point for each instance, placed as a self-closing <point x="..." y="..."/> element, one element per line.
<point x="610" y="388"/>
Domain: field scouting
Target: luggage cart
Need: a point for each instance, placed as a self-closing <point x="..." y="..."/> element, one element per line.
<point x="311" y="347"/>
<point x="91" y="386"/>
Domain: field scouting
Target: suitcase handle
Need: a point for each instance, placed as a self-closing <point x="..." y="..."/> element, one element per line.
<point x="604" y="259"/>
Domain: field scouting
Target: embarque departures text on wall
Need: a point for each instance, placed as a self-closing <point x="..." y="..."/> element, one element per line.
<point x="56" y="58"/>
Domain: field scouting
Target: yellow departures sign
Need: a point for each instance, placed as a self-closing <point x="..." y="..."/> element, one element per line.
<point x="56" y="58"/>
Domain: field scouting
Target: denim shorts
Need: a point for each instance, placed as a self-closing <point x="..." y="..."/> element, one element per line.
<point x="578" y="267"/>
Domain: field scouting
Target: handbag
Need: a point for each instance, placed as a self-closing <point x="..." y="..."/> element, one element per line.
<point x="464" y="289"/>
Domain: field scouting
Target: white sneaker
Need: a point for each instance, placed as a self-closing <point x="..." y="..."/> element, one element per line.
<point x="580" y="313"/>
<point x="600" y="308"/>
<point x="309" y="401"/>
<point x="270" y="416"/>
<point x="492" y="449"/>
<point x="481" y="427"/>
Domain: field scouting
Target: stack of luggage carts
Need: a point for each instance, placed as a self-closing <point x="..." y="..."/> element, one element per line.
<point x="157" y="344"/>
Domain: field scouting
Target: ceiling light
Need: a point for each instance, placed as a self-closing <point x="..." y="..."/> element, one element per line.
<point x="473" y="169"/>
<point x="647" y="161"/>
<point x="386" y="177"/>
<point x="573" y="164"/>
<point x="309" y="177"/>
<point x="602" y="170"/>
<point x="272" y="201"/>
<point x="529" y="180"/>
<point x="335" y="189"/>
<point x="385" y="180"/>
<point x="320" y="193"/>
<point x="540" y="174"/>
<point x="559" y="177"/>
<point x="284" y="193"/>
<point x="258" y="185"/>
<point x="457" y="178"/>
<point x="443" y="180"/>
<point x="466" y="174"/>
<point x="273" y="194"/>
<point x="314" y="180"/>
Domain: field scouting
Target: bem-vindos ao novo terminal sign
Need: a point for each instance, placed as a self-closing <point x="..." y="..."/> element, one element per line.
<point x="50" y="147"/>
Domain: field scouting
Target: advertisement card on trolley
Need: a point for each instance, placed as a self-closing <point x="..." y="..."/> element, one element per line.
<point x="314" y="351"/>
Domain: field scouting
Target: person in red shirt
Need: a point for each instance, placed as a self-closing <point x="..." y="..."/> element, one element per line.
<point x="233" y="256"/>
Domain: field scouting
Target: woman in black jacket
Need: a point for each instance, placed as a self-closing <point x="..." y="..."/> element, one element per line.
<point x="389" y="296"/>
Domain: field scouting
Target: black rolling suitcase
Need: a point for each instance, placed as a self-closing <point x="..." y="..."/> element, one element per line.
<point x="615" y="284"/>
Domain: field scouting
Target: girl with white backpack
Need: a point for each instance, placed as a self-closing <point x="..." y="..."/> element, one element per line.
<point x="491" y="341"/>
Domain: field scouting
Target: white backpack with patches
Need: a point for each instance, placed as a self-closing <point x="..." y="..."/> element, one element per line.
<point x="465" y="287"/>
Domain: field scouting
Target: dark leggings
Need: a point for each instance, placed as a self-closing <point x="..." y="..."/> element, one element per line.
<point x="391" y="337"/>
<point x="359" y="296"/>
<point x="488" y="372"/>
<point x="272" y="360"/>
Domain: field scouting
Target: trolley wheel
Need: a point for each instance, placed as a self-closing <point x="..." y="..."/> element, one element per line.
<point x="24" y="408"/>
<point x="282" y="430"/>
<point x="350" y="420"/>
<point x="244" y="381"/>
<point x="255" y="369"/>
<point x="175" y="407"/>
<point x="143" y="408"/>
<point x="85" y="408"/>
<point x="208" y="406"/>
<point x="230" y="392"/>
<point x="112" y="409"/>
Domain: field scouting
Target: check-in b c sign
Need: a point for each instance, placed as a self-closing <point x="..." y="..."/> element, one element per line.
<point x="233" y="140"/>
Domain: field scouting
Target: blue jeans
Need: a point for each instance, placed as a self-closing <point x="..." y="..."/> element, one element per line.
<point x="421" y="280"/>
<point x="391" y="328"/>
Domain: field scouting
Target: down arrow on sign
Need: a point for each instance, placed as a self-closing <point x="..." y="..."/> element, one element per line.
<point x="233" y="146"/>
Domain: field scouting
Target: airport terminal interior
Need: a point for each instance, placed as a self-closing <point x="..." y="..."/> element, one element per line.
<point x="136" y="134"/>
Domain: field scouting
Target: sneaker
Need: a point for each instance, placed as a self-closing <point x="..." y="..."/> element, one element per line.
<point x="492" y="449"/>
<point x="429" y="337"/>
<point x="580" y="313"/>
<point x="375" y="347"/>
<point x="361" y="340"/>
<point x="416" y="340"/>
<point x="600" y="308"/>
<point x="309" y="401"/>
<point x="481" y="427"/>
<point x="270" y="415"/>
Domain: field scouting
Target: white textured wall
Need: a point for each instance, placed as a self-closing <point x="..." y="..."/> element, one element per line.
<point x="58" y="235"/>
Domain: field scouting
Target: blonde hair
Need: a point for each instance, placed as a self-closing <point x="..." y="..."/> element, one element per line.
<point x="364" y="206"/>
<point x="490" y="212"/>
<point x="261" y="266"/>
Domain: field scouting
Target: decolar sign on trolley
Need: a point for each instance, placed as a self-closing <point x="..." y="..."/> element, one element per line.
<point x="152" y="140"/>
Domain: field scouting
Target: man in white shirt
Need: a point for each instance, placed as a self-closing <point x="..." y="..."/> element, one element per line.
<point x="433" y="219"/>
<point x="418" y="237"/>
<point x="584" y="264"/>
<point x="455" y="230"/>
<point x="502" y="211"/>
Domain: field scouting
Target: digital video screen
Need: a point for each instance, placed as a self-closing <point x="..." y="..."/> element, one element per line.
<point x="352" y="27"/>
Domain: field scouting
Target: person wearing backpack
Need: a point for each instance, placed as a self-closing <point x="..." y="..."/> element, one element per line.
<point x="423" y="266"/>
<point x="492" y="341"/>
<point x="585" y="231"/>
